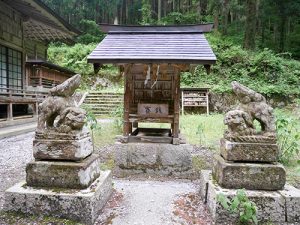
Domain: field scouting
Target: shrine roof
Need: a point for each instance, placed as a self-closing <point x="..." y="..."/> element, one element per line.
<point x="154" y="44"/>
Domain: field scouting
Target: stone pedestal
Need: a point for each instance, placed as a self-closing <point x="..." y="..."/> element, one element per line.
<point x="64" y="180"/>
<point x="56" y="146"/>
<point x="248" y="165"/>
<point x="153" y="159"/>
<point x="62" y="174"/>
<point x="249" y="152"/>
<point x="251" y="176"/>
<point x="79" y="205"/>
<point x="280" y="207"/>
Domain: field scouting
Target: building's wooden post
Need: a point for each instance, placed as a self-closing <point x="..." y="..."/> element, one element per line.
<point x="182" y="102"/>
<point x="35" y="109"/>
<point x="207" y="103"/>
<point x="176" y="103"/>
<point x="10" y="111"/>
<point x="127" y="129"/>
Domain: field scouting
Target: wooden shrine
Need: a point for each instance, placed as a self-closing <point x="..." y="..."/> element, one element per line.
<point x="151" y="59"/>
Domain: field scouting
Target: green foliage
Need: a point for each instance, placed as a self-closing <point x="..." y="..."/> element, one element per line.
<point x="91" y="32"/>
<point x="263" y="71"/>
<point x="288" y="134"/>
<point x="146" y="13"/>
<point x="72" y="57"/>
<point x="118" y="117"/>
<point x="181" y="18"/>
<point x="240" y="204"/>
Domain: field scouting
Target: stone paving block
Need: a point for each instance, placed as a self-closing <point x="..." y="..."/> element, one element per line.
<point x="292" y="201"/>
<point x="251" y="176"/>
<point x="251" y="152"/>
<point x="75" y="150"/>
<point x="78" y="205"/>
<point x="63" y="174"/>
<point x="271" y="204"/>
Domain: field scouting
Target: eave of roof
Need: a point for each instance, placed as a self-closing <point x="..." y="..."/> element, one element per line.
<point x="172" y="29"/>
<point x="41" y="23"/>
<point x="175" y="44"/>
<point x="49" y="65"/>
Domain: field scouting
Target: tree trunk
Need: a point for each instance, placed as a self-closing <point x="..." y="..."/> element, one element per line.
<point x="249" y="39"/>
<point x="159" y="11"/>
<point x="282" y="33"/>
<point x="225" y="17"/>
<point x="216" y="20"/>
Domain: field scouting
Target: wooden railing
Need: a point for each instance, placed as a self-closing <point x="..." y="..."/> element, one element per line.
<point x="11" y="96"/>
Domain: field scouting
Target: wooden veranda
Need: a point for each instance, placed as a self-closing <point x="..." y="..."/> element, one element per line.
<point x="151" y="59"/>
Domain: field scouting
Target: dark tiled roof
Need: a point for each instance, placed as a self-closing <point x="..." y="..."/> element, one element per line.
<point x="173" y="44"/>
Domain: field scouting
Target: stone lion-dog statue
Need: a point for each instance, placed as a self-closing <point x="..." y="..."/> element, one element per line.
<point x="240" y="122"/>
<point x="60" y="105"/>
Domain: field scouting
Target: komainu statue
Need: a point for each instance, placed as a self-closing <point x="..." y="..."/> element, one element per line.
<point x="59" y="112"/>
<point x="252" y="106"/>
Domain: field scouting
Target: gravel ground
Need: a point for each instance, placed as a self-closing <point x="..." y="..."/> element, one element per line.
<point x="16" y="152"/>
<point x="154" y="203"/>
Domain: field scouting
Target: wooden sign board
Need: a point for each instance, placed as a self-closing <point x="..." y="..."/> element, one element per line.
<point x="153" y="110"/>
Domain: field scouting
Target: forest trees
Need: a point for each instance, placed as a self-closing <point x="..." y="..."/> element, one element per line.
<point x="273" y="24"/>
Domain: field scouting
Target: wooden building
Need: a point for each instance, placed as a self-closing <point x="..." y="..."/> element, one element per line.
<point x="151" y="59"/>
<point x="26" y="28"/>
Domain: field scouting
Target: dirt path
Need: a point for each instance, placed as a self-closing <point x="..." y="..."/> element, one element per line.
<point x="134" y="202"/>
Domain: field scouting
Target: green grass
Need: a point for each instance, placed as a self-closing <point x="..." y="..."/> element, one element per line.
<point x="106" y="134"/>
<point x="202" y="129"/>
<point x="197" y="129"/>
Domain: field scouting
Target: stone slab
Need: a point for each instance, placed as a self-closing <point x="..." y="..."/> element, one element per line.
<point x="292" y="202"/>
<point x="153" y="159"/>
<point x="52" y="135"/>
<point x="251" y="152"/>
<point x="59" y="174"/>
<point x="78" y="205"/>
<point x="271" y="204"/>
<point x="251" y="176"/>
<point x="75" y="150"/>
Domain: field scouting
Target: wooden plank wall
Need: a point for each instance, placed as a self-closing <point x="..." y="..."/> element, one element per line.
<point x="11" y="27"/>
<point x="36" y="50"/>
<point x="159" y="92"/>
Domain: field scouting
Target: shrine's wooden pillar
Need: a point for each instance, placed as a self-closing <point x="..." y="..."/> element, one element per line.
<point x="176" y="94"/>
<point x="127" y="129"/>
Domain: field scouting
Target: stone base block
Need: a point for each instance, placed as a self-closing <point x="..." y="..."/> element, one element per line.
<point x="251" y="152"/>
<point x="251" y="176"/>
<point x="292" y="203"/>
<point x="273" y="206"/>
<point x="63" y="174"/>
<point x="153" y="159"/>
<point x="78" y="205"/>
<point x="57" y="149"/>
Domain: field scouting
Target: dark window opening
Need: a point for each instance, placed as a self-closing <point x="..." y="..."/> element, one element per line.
<point x="10" y="69"/>
<point x="3" y="112"/>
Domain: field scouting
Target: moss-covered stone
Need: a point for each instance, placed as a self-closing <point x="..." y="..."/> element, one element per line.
<point x="251" y="176"/>
<point x="63" y="174"/>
